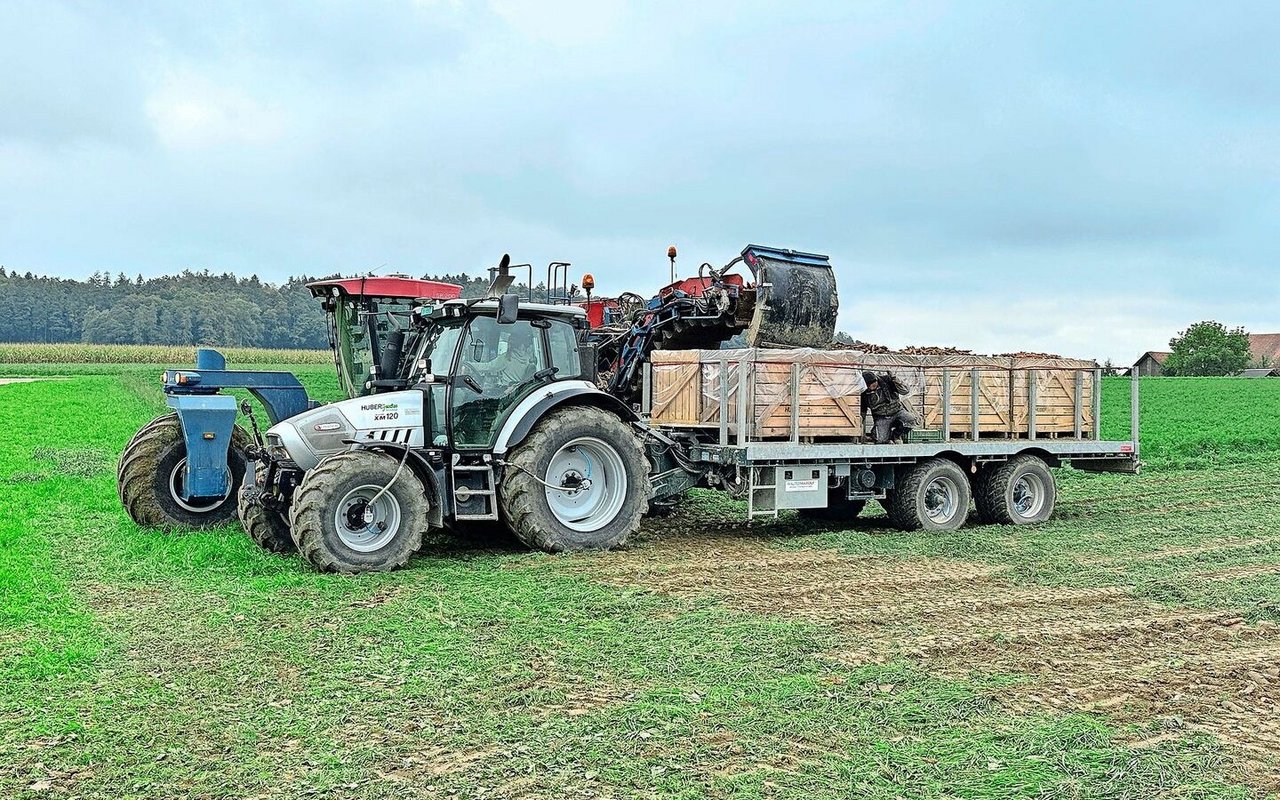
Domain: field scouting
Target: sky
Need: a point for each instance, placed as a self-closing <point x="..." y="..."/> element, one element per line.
<point x="1079" y="178"/>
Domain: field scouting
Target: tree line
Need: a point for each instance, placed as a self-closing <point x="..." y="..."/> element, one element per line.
<point x="190" y="308"/>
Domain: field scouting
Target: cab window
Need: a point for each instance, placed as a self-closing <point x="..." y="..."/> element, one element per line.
<point x="564" y="349"/>
<point x="496" y="368"/>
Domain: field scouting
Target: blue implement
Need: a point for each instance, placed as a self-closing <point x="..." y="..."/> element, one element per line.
<point x="207" y="422"/>
<point x="208" y="417"/>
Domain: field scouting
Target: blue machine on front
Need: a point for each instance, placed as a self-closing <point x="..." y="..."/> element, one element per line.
<point x="208" y="418"/>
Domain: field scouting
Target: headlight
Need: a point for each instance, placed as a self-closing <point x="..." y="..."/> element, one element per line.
<point x="276" y="448"/>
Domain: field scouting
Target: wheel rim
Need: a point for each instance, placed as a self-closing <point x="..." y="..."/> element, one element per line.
<point x="586" y="484"/>
<point x="1028" y="496"/>
<point x="178" y="482"/>
<point x="365" y="524"/>
<point x="941" y="500"/>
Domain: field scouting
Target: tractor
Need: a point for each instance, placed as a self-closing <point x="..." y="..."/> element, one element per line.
<point x="457" y="412"/>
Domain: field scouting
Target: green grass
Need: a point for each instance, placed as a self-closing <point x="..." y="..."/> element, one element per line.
<point x="1197" y="423"/>
<point x="138" y="664"/>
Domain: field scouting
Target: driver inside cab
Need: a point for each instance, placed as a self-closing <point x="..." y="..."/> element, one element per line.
<point x="517" y="362"/>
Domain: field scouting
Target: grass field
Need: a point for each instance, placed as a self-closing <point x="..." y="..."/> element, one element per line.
<point x="1125" y="649"/>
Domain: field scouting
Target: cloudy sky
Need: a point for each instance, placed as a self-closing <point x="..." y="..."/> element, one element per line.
<point x="1084" y="178"/>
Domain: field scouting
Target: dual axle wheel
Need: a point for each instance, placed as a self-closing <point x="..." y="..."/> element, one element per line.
<point x="935" y="495"/>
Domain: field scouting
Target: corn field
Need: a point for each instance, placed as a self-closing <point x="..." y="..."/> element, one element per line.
<point x="172" y="355"/>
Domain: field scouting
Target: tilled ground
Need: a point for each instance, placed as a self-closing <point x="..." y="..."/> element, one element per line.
<point x="1087" y="649"/>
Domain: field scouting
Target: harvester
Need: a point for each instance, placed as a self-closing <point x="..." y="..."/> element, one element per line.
<point x="537" y="415"/>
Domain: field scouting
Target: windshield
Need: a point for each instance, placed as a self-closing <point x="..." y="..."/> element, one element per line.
<point x="435" y="345"/>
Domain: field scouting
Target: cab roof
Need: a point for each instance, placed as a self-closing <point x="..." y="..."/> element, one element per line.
<point x="390" y="286"/>
<point x="491" y="307"/>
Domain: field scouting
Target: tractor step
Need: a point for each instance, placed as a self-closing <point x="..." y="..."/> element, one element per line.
<point x="474" y="496"/>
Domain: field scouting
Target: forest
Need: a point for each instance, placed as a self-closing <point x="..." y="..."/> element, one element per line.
<point x="185" y="309"/>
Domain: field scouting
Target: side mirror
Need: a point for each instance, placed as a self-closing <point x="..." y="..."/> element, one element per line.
<point x="508" y="309"/>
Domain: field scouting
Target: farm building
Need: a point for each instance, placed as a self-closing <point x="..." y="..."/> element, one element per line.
<point x="1261" y="373"/>
<point x="1265" y="349"/>
<point x="1150" y="364"/>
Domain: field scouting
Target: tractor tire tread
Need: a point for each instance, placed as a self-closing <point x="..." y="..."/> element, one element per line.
<point x="265" y="527"/>
<point x="310" y="500"/>
<point x="522" y="495"/>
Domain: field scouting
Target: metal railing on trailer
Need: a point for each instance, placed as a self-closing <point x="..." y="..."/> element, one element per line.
<point x="733" y="444"/>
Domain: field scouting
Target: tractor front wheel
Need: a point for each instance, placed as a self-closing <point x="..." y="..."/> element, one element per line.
<point x="359" y="511"/>
<point x="579" y="482"/>
<point x="150" y="475"/>
<point x="266" y="527"/>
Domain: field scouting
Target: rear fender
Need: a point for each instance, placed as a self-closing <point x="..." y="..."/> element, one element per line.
<point x="537" y="405"/>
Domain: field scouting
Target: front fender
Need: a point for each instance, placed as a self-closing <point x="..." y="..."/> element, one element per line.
<point x="537" y="405"/>
<point x="423" y="470"/>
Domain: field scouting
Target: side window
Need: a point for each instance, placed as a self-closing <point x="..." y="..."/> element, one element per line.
<point x="564" y="349"/>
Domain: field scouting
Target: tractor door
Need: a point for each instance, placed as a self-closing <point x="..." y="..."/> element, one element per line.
<point x="498" y="365"/>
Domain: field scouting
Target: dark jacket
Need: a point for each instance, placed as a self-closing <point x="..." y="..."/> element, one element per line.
<point x="883" y="400"/>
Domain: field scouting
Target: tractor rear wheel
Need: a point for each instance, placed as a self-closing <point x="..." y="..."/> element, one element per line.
<point x="579" y="482"/>
<point x="1020" y="491"/>
<point x="359" y="511"/>
<point x="149" y="478"/>
<point x="934" y="496"/>
<point x="265" y="526"/>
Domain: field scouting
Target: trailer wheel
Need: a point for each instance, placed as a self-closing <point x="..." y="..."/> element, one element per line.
<point x="343" y="521"/>
<point x="579" y="482"/>
<point x="839" y="507"/>
<point x="265" y="526"/>
<point x="150" y="473"/>
<point x="934" y="496"/>
<point x="1020" y="491"/>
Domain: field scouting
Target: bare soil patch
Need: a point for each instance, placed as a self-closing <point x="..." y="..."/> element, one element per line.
<point x="7" y="381"/>
<point x="1086" y="649"/>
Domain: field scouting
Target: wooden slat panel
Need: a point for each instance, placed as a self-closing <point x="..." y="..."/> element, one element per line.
<point x="687" y="391"/>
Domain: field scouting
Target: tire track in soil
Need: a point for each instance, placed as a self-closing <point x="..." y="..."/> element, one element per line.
<point x="1094" y="649"/>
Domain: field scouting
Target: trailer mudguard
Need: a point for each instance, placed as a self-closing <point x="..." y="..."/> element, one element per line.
<point x="207" y="422"/>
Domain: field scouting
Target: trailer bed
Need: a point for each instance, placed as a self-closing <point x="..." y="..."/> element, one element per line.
<point x="775" y="460"/>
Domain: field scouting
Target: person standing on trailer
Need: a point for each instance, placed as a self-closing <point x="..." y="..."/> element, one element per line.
<point x="883" y="398"/>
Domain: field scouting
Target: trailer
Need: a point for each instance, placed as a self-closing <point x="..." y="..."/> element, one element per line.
<point x="777" y="449"/>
